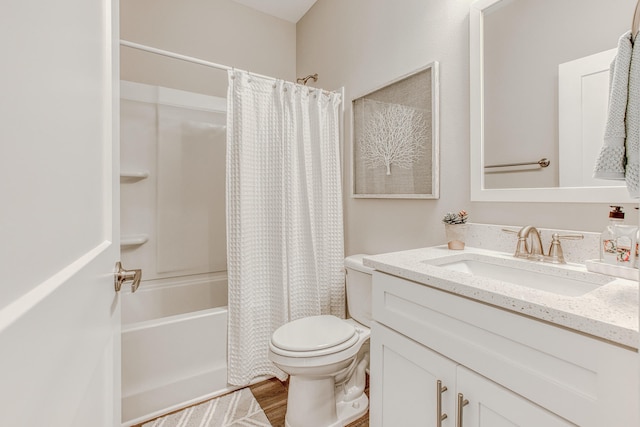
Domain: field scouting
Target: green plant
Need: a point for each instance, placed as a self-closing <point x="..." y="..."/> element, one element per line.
<point x="456" y="218"/>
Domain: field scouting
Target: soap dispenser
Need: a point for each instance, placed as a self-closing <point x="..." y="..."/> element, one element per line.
<point x="608" y="247"/>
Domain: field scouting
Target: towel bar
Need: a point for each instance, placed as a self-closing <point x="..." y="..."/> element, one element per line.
<point x="543" y="163"/>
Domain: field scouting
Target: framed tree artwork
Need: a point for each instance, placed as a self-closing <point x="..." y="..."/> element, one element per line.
<point x="395" y="138"/>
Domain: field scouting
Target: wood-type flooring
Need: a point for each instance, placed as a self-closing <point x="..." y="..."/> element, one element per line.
<point x="272" y="397"/>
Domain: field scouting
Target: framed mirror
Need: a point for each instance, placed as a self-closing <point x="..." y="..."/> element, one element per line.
<point x="395" y="138"/>
<point x="539" y="74"/>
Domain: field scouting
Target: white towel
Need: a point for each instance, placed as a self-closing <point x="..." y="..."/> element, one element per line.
<point x="632" y="143"/>
<point x="619" y="156"/>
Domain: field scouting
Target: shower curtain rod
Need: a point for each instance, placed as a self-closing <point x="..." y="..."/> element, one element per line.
<point x="191" y="59"/>
<point x="181" y="57"/>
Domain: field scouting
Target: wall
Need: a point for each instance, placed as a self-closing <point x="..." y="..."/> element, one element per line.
<point x="362" y="44"/>
<point x="219" y="31"/>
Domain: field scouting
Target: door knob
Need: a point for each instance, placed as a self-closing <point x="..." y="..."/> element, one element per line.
<point x="123" y="276"/>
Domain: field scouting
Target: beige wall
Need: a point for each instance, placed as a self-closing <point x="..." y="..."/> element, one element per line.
<point x="220" y="31"/>
<point x="362" y="44"/>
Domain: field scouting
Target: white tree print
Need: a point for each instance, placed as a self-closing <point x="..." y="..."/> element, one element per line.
<point x="393" y="135"/>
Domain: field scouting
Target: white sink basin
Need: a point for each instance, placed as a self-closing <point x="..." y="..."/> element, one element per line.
<point x="535" y="275"/>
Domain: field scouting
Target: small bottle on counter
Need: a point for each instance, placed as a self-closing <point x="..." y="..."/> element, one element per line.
<point x="636" y="260"/>
<point x="636" y="264"/>
<point x="626" y="236"/>
<point x="608" y="247"/>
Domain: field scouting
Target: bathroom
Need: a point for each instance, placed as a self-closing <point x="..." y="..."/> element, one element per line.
<point x="353" y="44"/>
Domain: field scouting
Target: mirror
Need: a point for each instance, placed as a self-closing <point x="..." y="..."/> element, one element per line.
<point x="539" y="93"/>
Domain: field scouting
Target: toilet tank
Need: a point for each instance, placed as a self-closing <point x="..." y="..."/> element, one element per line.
<point x="358" y="285"/>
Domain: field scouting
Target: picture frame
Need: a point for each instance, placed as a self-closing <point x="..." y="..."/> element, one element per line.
<point x="395" y="138"/>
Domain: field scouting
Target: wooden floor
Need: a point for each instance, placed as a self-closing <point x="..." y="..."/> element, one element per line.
<point x="272" y="397"/>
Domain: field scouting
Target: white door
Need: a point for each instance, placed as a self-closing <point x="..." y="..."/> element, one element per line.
<point x="404" y="384"/>
<point x="583" y="99"/>
<point x="59" y="314"/>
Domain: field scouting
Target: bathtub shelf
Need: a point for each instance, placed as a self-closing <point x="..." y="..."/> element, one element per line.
<point x="133" y="240"/>
<point x="133" y="176"/>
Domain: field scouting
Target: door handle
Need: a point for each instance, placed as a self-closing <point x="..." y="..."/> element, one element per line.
<point x="123" y="276"/>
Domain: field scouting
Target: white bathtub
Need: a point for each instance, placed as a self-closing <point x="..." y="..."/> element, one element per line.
<point x="174" y="345"/>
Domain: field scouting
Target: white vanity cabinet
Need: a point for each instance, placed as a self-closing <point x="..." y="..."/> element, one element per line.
<point x="513" y="370"/>
<point x="418" y="387"/>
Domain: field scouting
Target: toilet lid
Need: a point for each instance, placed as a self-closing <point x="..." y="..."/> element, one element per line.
<point x="312" y="333"/>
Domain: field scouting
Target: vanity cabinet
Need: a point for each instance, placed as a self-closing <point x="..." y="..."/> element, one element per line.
<point x="420" y="384"/>
<point x="512" y="369"/>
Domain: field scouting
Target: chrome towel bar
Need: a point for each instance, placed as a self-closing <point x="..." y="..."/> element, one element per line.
<point x="543" y="163"/>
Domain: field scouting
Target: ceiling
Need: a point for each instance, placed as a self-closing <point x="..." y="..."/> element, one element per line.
<point x="289" y="10"/>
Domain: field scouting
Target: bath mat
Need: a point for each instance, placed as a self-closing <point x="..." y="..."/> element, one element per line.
<point x="232" y="410"/>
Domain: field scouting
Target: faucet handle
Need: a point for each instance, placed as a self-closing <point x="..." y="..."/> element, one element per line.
<point x="522" y="247"/>
<point x="568" y="236"/>
<point x="556" y="254"/>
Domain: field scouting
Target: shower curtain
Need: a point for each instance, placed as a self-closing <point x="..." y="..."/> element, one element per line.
<point x="284" y="214"/>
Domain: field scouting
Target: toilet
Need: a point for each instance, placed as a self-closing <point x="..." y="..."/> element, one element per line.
<point x="326" y="358"/>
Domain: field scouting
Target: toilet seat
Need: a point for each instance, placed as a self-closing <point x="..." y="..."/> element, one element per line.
<point x="313" y="336"/>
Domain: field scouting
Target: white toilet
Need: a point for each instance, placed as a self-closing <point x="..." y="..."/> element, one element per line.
<point x="326" y="358"/>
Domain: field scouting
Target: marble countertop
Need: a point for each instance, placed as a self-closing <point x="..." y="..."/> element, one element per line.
<point x="609" y="312"/>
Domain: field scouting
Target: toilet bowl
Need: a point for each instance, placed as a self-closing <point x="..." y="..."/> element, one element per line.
<point x="326" y="358"/>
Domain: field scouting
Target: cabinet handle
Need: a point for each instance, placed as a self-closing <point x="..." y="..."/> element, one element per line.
<point x="439" y="415"/>
<point x="462" y="402"/>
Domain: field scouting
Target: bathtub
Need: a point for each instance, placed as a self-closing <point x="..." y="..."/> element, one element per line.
<point x="174" y="345"/>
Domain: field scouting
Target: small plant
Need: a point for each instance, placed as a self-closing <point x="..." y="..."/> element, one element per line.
<point x="456" y="218"/>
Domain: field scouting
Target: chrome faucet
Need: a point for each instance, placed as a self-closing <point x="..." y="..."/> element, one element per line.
<point x="535" y="252"/>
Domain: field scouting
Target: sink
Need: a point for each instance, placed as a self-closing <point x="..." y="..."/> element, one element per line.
<point x="530" y="274"/>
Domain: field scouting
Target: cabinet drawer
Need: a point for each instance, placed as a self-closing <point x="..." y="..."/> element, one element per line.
<point x="575" y="376"/>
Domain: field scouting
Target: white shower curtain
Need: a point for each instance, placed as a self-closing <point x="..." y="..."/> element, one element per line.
<point x="284" y="214"/>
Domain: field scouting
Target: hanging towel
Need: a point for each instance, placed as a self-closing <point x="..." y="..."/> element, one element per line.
<point x="619" y="155"/>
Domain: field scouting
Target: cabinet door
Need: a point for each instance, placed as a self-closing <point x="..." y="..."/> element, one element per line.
<point x="491" y="405"/>
<point x="404" y="378"/>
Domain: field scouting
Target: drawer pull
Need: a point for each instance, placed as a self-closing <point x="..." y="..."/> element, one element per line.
<point x="462" y="402"/>
<point x="439" y="415"/>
